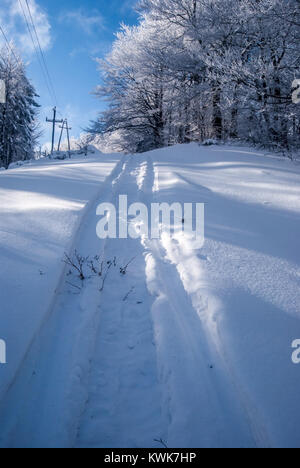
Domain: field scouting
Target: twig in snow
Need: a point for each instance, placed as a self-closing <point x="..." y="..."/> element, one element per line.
<point x="77" y="263"/>
<point x="123" y="270"/>
<point x="128" y="294"/>
<point x="109" y="265"/>
<point x="160" y="441"/>
<point x="96" y="266"/>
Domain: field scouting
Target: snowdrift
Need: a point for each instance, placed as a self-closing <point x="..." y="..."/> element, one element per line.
<point x="191" y="348"/>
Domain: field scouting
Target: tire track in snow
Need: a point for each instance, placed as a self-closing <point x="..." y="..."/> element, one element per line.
<point x="81" y="219"/>
<point x="201" y="410"/>
<point x="123" y="408"/>
<point x="130" y="379"/>
<point x="21" y="423"/>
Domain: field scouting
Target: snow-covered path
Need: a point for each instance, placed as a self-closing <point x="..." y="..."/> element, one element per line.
<point x="150" y="377"/>
<point x="41" y="207"/>
<point x="244" y="283"/>
<point x="123" y="408"/>
<point x="190" y="347"/>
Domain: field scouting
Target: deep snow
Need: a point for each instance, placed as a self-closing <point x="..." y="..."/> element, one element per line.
<point x="192" y="347"/>
<point x="41" y="207"/>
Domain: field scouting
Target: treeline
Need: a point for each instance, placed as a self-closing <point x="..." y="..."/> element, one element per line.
<point x="18" y="128"/>
<point x="199" y="69"/>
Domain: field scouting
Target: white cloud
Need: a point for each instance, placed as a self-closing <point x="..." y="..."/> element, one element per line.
<point x="87" y="22"/>
<point x="93" y="49"/>
<point x="13" y="21"/>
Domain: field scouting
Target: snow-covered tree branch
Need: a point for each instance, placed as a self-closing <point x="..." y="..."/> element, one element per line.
<point x="195" y="69"/>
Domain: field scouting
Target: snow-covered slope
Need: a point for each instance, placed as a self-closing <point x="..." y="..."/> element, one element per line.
<point x="244" y="283"/>
<point x="191" y="347"/>
<point x="41" y="207"/>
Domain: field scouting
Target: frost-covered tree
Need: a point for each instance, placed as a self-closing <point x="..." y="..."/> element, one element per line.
<point x="18" y="128"/>
<point x="134" y="83"/>
<point x="197" y="69"/>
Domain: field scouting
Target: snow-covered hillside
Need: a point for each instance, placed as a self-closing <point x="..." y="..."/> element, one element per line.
<point x="188" y="347"/>
<point x="42" y="206"/>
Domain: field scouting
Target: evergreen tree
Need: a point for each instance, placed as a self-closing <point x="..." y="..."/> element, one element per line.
<point x="18" y="114"/>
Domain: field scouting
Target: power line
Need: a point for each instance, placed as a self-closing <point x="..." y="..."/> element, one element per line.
<point x="35" y="48"/>
<point x="52" y="96"/>
<point x="41" y="50"/>
<point x="46" y="69"/>
<point x="9" y="48"/>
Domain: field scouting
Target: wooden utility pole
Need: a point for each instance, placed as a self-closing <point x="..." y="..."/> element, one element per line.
<point x="61" y="133"/>
<point x="68" y="135"/>
<point x="65" y="126"/>
<point x="53" y="121"/>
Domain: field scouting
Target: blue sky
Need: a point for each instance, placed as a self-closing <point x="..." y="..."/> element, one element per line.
<point x="72" y="34"/>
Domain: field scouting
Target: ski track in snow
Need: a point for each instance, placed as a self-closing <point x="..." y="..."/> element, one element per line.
<point x="124" y="391"/>
<point x="145" y="359"/>
<point x="123" y="407"/>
